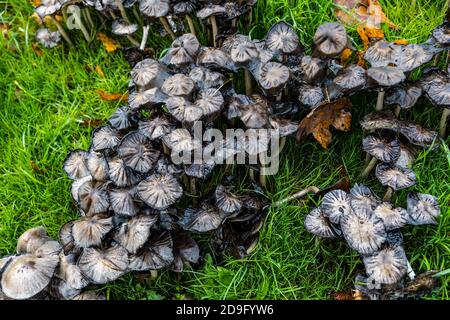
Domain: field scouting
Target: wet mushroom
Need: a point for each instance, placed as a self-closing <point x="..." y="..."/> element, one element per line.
<point x="405" y="97"/>
<point x="393" y="218"/>
<point x="32" y="239"/>
<point x="272" y="77"/>
<point x="330" y="40"/>
<point x="134" y="233"/>
<point x="90" y="231"/>
<point x="149" y="72"/>
<point x="203" y="219"/>
<point x="318" y="224"/>
<point x="122" y="201"/>
<point x="159" y="191"/>
<point x="75" y="165"/>
<point x="282" y="38"/>
<point x="105" y="138"/>
<point x="422" y="208"/>
<point x="396" y="178"/>
<point x="385" y="77"/>
<point x="97" y="166"/>
<point x="122" y="118"/>
<point x="137" y="152"/>
<point x="210" y="101"/>
<point x="48" y="38"/>
<point x="386" y="266"/>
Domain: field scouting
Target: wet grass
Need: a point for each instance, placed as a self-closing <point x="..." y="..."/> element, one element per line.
<point x="44" y="99"/>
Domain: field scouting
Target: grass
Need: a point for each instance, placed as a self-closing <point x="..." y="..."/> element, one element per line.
<point x="44" y="98"/>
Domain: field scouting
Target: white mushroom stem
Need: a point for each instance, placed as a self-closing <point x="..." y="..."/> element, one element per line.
<point x="443" y="123"/>
<point x="252" y="174"/>
<point x="166" y="149"/>
<point x="63" y="32"/>
<point x="297" y="195"/>
<point x="167" y="27"/>
<point x="80" y="24"/>
<point x="388" y="195"/>
<point x="144" y="37"/>
<point x="248" y="82"/>
<point x="397" y="110"/>
<point x="380" y="100"/>
<point x="123" y="13"/>
<point x="327" y="95"/>
<point x="282" y="144"/>
<point x="192" y="186"/>
<point x="410" y="272"/>
<point x="191" y="24"/>
<point x="215" y="29"/>
<point x="262" y="176"/>
<point x="369" y="168"/>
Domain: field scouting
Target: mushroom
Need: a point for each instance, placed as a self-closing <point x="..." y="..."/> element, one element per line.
<point x="381" y="148"/>
<point x="386" y="266"/>
<point x="318" y="224"/>
<point x="159" y="191"/>
<point x="101" y="266"/>
<point x="335" y="205"/>
<point x="382" y="54"/>
<point x="31" y="240"/>
<point x="183" y="9"/>
<point x="105" y="138"/>
<point x="69" y="272"/>
<point x="396" y="178"/>
<point x="210" y="11"/>
<point x="157" y="9"/>
<point x="215" y="58"/>
<point x="66" y="238"/>
<point x="422" y="208"/>
<point x="134" y="233"/>
<point x="156" y="254"/>
<point x="123" y="28"/>
<point x="272" y="76"/>
<point x="205" y="78"/>
<point x="282" y="38"/>
<point x="180" y="140"/>
<point x="210" y="101"/>
<point x="122" y="118"/>
<point x="412" y="56"/>
<point x="330" y="40"/>
<point x="144" y="98"/>
<point x="121" y="175"/>
<point x="363" y="231"/>
<point x="48" y="8"/>
<point x="183" y="110"/>
<point x="183" y="51"/>
<point x="149" y="72"/>
<point x="227" y="201"/>
<point x="312" y="69"/>
<point x="405" y="97"/>
<point x="186" y="251"/>
<point x="350" y="79"/>
<point x="122" y="201"/>
<point x="385" y="77"/>
<point x="48" y="38"/>
<point x="310" y="96"/>
<point x="178" y="85"/>
<point x="90" y="231"/>
<point x="75" y="165"/>
<point x="203" y="219"/>
<point x="97" y="166"/>
<point x="92" y="198"/>
<point x="156" y="128"/>
<point x="393" y="218"/>
<point x="137" y="153"/>
<point x="362" y="198"/>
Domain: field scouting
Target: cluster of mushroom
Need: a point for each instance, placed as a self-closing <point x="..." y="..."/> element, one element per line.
<point x="127" y="17"/>
<point x="372" y="227"/>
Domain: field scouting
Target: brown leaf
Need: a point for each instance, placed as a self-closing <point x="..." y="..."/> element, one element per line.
<point x="38" y="169"/>
<point x="4" y="29"/>
<point x="112" y="96"/>
<point x="319" y="120"/>
<point x="36" y="18"/>
<point x="401" y="41"/>
<point x="99" y="70"/>
<point x="37" y="50"/>
<point x="109" y="44"/>
<point x="35" y="3"/>
<point x="91" y="123"/>
<point x="346" y="55"/>
<point x="342" y="295"/>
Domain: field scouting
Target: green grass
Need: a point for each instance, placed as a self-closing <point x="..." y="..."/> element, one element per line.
<point x="43" y="99"/>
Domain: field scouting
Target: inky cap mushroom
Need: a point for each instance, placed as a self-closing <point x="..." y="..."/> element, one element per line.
<point x="123" y="28"/>
<point x="335" y="204"/>
<point x="423" y="208"/>
<point x="133" y="234"/>
<point x="330" y="39"/>
<point x="137" y="152"/>
<point x="387" y="266"/>
<point x="75" y="165"/>
<point x="319" y="224"/>
<point x="49" y="39"/>
<point x="122" y="201"/>
<point x="381" y="148"/>
<point x="160" y="191"/>
<point x="395" y="177"/>
<point x="282" y="37"/>
<point x="155" y="255"/>
<point x="393" y="218"/>
<point x="93" y="198"/>
<point x="90" y="231"/>
<point x="32" y="239"/>
<point x="227" y="201"/>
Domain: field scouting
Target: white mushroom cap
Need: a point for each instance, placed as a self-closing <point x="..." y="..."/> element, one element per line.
<point x="156" y="128"/>
<point x="423" y="208"/>
<point x="335" y="204"/>
<point x="386" y="266"/>
<point x="32" y="239"/>
<point x="49" y="39"/>
<point x="393" y="218"/>
<point x="137" y="152"/>
<point x="133" y="234"/>
<point x="210" y="101"/>
<point x="97" y="166"/>
<point x="319" y="224"/>
<point x="160" y="191"/>
<point x="123" y="28"/>
<point x="395" y="177"/>
<point x="205" y="78"/>
<point x="75" y="165"/>
<point x="90" y="231"/>
<point x="381" y="148"/>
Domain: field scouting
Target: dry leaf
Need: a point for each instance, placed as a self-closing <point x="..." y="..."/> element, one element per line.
<point x="37" y="169"/>
<point x="4" y="28"/>
<point x="91" y="123"/>
<point x="346" y="55"/>
<point x="35" y="3"/>
<point x="319" y="120"/>
<point x="342" y="295"/>
<point x="37" y="50"/>
<point x="109" y="44"/>
<point x="401" y="41"/>
<point x="99" y="70"/>
<point x="113" y="96"/>
<point x="59" y="18"/>
<point x="36" y="18"/>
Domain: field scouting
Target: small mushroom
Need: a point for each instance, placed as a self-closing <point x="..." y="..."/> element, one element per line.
<point x="186" y="251"/>
<point x="137" y="152"/>
<point x="423" y="208"/>
<point x="204" y="219"/>
<point x="393" y="218"/>
<point x="210" y="101"/>
<point x="363" y="231"/>
<point x="105" y="138"/>
<point x="149" y="72"/>
<point x="183" y="51"/>
<point x="69" y="272"/>
<point x="418" y="135"/>
<point x="159" y="191"/>
<point x="101" y="266"/>
<point x="362" y="198"/>
<point x="122" y="118"/>
<point x="382" y="54"/>
<point x="90" y="231"/>
<point x="122" y="28"/>
<point x="330" y="39"/>
<point x="205" y="78"/>
<point x="404" y="96"/>
<point x="66" y="238"/>
<point x="210" y="11"/>
<point x="75" y="165"/>
<point x="395" y="177"/>
<point x="386" y="76"/>
<point x="285" y="127"/>
<point x="31" y="240"/>
<point x="381" y="148"/>
<point x="97" y="166"/>
<point x="49" y="39"/>
<point x="318" y="224"/>
<point x="282" y="38"/>
<point x="413" y="56"/>
<point x="312" y="69"/>
<point x="134" y="233"/>
<point x="214" y="58"/>
<point x="386" y="266"/>
<point x="122" y="201"/>
<point x="272" y="76"/>
<point x="146" y="98"/>
<point x="156" y="128"/>
<point x="121" y="175"/>
<point x="180" y="140"/>
<point x="93" y="198"/>
<point x="178" y="85"/>
<point x="155" y="255"/>
<point x="310" y="96"/>
<point x="183" y="110"/>
<point x="227" y="201"/>
<point x="242" y="50"/>
<point x="254" y="112"/>
<point x="351" y="79"/>
<point x="336" y="204"/>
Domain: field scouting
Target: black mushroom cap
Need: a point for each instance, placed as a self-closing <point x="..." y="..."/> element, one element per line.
<point x="183" y="51"/>
<point x="363" y="231"/>
<point x="418" y="135"/>
<point x="272" y="76"/>
<point x="178" y="85"/>
<point x="210" y="101"/>
<point x="386" y="266"/>
<point x="93" y="198"/>
<point x="154" y="8"/>
<point x="205" y="78"/>
<point x="310" y="96"/>
<point x="404" y="96"/>
<point x="156" y="254"/>
<point x="351" y="78"/>
<point x="386" y="76"/>
<point x="383" y="149"/>
<point x="123" y="28"/>
<point x="90" y="231"/>
<point x="393" y="217"/>
<point x="180" y="140"/>
<point x="282" y="38"/>
<point x="48" y="38"/>
<point x="101" y="266"/>
<point x="215" y="58"/>
<point x="407" y="156"/>
<point x="380" y="120"/>
<point x="160" y="191"/>
<point x="183" y="110"/>
<point x="31" y="240"/>
<point x="395" y="177"/>
<point x="330" y="39"/>
<point x="382" y="54"/>
<point x="149" y="72"/>
<point x="318" y="224"/>
<point x="312" y="69"/>
<point x="134" y="233"/>
<point x="27" y="275"/>
<point x="156" y="128"/>
<point x="120" y="174"/>
<point x="423" y="208"/>
<point x="335" y="204"/>
<point x="241" y="49"/>
<point x="75" y="165"/>
<point x="104" y="138"/>
<point x="122" y="118"/>
<point x="137" y="152"/>
<point x="203" y="219"/>
<point x="122" y="201"/>
<point x="226" y="201"/>
<point x="200" y="170"/>
<point x="97" y="165"/>
<point x="253" y="112"/>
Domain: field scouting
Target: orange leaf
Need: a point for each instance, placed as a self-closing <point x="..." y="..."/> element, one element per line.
<point x="401" y="41"/>
<point x="109" y="44"/>
<point x="113" y="96"/>
<point x="35" y="3"/>
<point x="345" y="55"/>
<point x="37" y="50"/>
<point x="319" y="120"/>
<point x="36" y="18"/>
<point x="99" y="70"/>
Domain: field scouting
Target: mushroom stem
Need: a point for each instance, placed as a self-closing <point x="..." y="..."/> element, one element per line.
<point x="88" y="16"/>
<point x="437" y="58"/>
<point x="123" y="13"/>
<point x="62" y="31"/>
<point x="144" y="37"/>
<point x="186" y="181"/>
<point x="252" y="174"/>
<point x="192" y="186"/>
<point x="166" y="149"/>
<point x="297" y="195"/>
<point x="248" y="82"/>
<point x="388" y="194"/>
<point x="133" y="40"/>
<point x="443" y="123"/>
<point x="282" y="144"/>
<point x="167" y="27"/>
<point x="191" y="24"/>
<point x="327" y="95"/>
<point x="215" y="29"/>
<point x="380" y="100"/>
<point x="80" y="24"/>
<point x="262" y="176"/>
<point x="410" y="272"/>
<point x="369" y="168"/>
<point x="397" y="111"/>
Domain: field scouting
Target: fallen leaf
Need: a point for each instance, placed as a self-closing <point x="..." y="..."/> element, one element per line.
<point x="401" y="41"/>
<point x="35" y="3"/>
<point x="346" y="55"/>
<point x="4" y="28"/>
<point x="90" y="123"/>
<point x="59" y="18"/>
<point x="100" y="72"/>
<point x="37" y="50"/>
<point x="319" y="120"/>
<point x="342" y="295"/>
<point x="36" y="18"/>
<point x="109" y="44"/>
<point x="113" y="96"/>
<point x="38" y="169"/>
